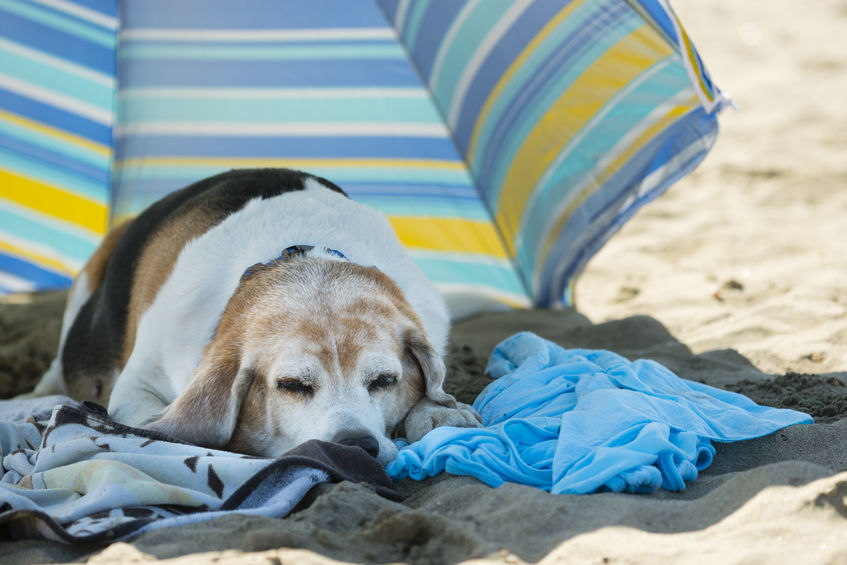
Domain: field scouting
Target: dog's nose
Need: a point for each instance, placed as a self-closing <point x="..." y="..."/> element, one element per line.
<point x="365" y="441"/>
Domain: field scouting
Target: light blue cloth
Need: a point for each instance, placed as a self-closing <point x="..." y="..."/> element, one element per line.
<point x="579" y="421"/>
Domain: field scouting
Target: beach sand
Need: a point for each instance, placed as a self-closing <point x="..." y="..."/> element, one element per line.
<point x="735" y="278"/>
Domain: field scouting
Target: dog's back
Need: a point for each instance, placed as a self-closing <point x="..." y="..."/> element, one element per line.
<point x="121" y="279"/>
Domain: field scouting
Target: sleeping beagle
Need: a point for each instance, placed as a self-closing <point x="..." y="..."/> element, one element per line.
<point x="255" y="310"/>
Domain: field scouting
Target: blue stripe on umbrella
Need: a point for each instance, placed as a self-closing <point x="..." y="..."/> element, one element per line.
<point x="353" y="147"/>
<point x="41" y="153"/>
<point x="195" y="14"/>
<point x="57" y="42"/>
<point x="42" y="278"/>
<point x="279" y="74"/>
<point x="56" y="117"/>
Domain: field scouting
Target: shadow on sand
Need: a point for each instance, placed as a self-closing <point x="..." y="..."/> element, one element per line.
<point x="449" y="519"/>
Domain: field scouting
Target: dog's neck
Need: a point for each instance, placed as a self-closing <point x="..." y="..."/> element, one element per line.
<point x="293" y="251"/>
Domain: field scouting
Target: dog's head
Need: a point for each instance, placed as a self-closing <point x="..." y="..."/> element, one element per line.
<point x="309" y="349"/>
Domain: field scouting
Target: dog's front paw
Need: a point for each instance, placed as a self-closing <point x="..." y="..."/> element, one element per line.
<point x="426" y="415"/>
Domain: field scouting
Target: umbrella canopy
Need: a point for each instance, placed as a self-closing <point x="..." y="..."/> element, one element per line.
<point x="505" y="140"/>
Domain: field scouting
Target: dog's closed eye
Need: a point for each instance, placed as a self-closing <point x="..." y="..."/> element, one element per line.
<point x="295" y="386"/>
<point x="382" y="382"/>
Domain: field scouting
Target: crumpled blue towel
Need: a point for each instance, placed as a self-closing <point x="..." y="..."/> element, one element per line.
<point x="579" y="421"/>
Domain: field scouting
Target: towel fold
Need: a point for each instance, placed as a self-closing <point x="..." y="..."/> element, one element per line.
<point x="579" y="421"/>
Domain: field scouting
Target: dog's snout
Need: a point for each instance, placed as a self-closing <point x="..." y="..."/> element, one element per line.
<point x="364" y="440"/>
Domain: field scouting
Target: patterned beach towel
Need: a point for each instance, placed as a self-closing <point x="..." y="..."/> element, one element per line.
<point x="74" y="475"/>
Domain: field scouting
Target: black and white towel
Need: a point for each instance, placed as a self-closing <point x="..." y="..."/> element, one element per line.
<point x="72" y="474"/>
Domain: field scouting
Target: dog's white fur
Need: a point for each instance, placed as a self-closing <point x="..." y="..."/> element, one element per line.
<point x="181" y="342"/>
<point x="170" y="338"/>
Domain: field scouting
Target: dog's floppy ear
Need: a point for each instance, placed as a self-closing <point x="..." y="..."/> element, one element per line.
<point x="207" y="410"/>
<point x="421" y="357"/>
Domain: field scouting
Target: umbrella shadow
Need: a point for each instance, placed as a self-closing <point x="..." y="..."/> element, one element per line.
<point x="449" y="519"/>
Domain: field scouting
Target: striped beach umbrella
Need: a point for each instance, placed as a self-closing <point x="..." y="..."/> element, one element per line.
<point x="505" y="140"/>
